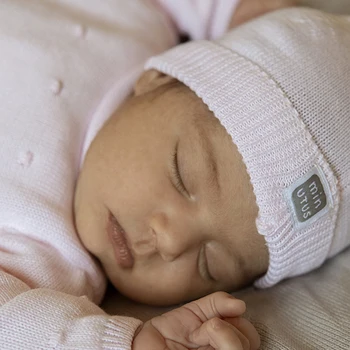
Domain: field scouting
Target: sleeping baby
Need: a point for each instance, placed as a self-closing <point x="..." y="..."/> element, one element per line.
<point x="222" y="169"/>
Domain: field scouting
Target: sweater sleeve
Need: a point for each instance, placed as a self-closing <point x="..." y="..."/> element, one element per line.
<point x="200" y="19"/>
<point x="42" y="318"/>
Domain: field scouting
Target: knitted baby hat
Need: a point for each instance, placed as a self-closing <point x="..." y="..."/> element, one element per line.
<point x="280" y="85"/>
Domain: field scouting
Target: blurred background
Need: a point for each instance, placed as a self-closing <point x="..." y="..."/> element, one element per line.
<point x="336" y="6"/>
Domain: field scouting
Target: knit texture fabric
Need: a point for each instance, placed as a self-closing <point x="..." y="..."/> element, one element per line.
<point x="277" y="87"/>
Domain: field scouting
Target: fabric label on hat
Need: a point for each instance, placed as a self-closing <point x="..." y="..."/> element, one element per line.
<point x="309" y="197"/>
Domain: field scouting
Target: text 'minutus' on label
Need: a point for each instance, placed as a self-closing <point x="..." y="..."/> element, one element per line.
<point x="309" y="197"/>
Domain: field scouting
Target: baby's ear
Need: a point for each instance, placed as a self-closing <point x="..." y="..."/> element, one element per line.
<point x="150" y="80"/>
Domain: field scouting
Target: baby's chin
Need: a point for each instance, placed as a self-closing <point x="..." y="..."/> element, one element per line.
<point x="154" y="295"/>
<point x="140" y="295"/>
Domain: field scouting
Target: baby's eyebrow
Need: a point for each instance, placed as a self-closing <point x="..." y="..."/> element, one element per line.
<point x="210" y="159"/>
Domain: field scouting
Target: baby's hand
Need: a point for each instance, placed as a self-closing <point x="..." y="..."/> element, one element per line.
<point x="211" y="322"/>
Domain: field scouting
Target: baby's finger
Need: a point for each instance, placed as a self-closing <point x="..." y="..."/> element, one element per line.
<point x="219" y="304"/>
<point x="247" y="329"/>
<point x="223" y="336"/>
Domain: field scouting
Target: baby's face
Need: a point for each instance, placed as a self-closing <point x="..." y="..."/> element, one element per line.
<point x="164" y="200"/>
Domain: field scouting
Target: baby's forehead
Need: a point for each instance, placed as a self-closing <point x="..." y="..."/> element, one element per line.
<point x="204" y="125"/>
<point x="196" y="112"/>
<point x="203" y="130"/>
<point x="188" y="110"/>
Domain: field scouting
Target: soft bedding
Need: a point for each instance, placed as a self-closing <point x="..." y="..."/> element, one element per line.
<point x="307" y="312"/>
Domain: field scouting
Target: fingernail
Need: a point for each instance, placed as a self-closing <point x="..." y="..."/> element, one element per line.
<point x="217" y="323"/>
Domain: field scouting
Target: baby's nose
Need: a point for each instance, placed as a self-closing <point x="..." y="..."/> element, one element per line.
<point x="174" y="237"/>
<point x="170" y="248"/>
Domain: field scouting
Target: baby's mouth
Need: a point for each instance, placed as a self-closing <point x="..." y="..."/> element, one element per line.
<point x="118" y="238"/>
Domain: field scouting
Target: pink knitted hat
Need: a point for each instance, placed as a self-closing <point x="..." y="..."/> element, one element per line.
<point x="275" y="88"/>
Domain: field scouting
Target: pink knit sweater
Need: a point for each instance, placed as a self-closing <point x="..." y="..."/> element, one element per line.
<point x="64" y="67"/>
